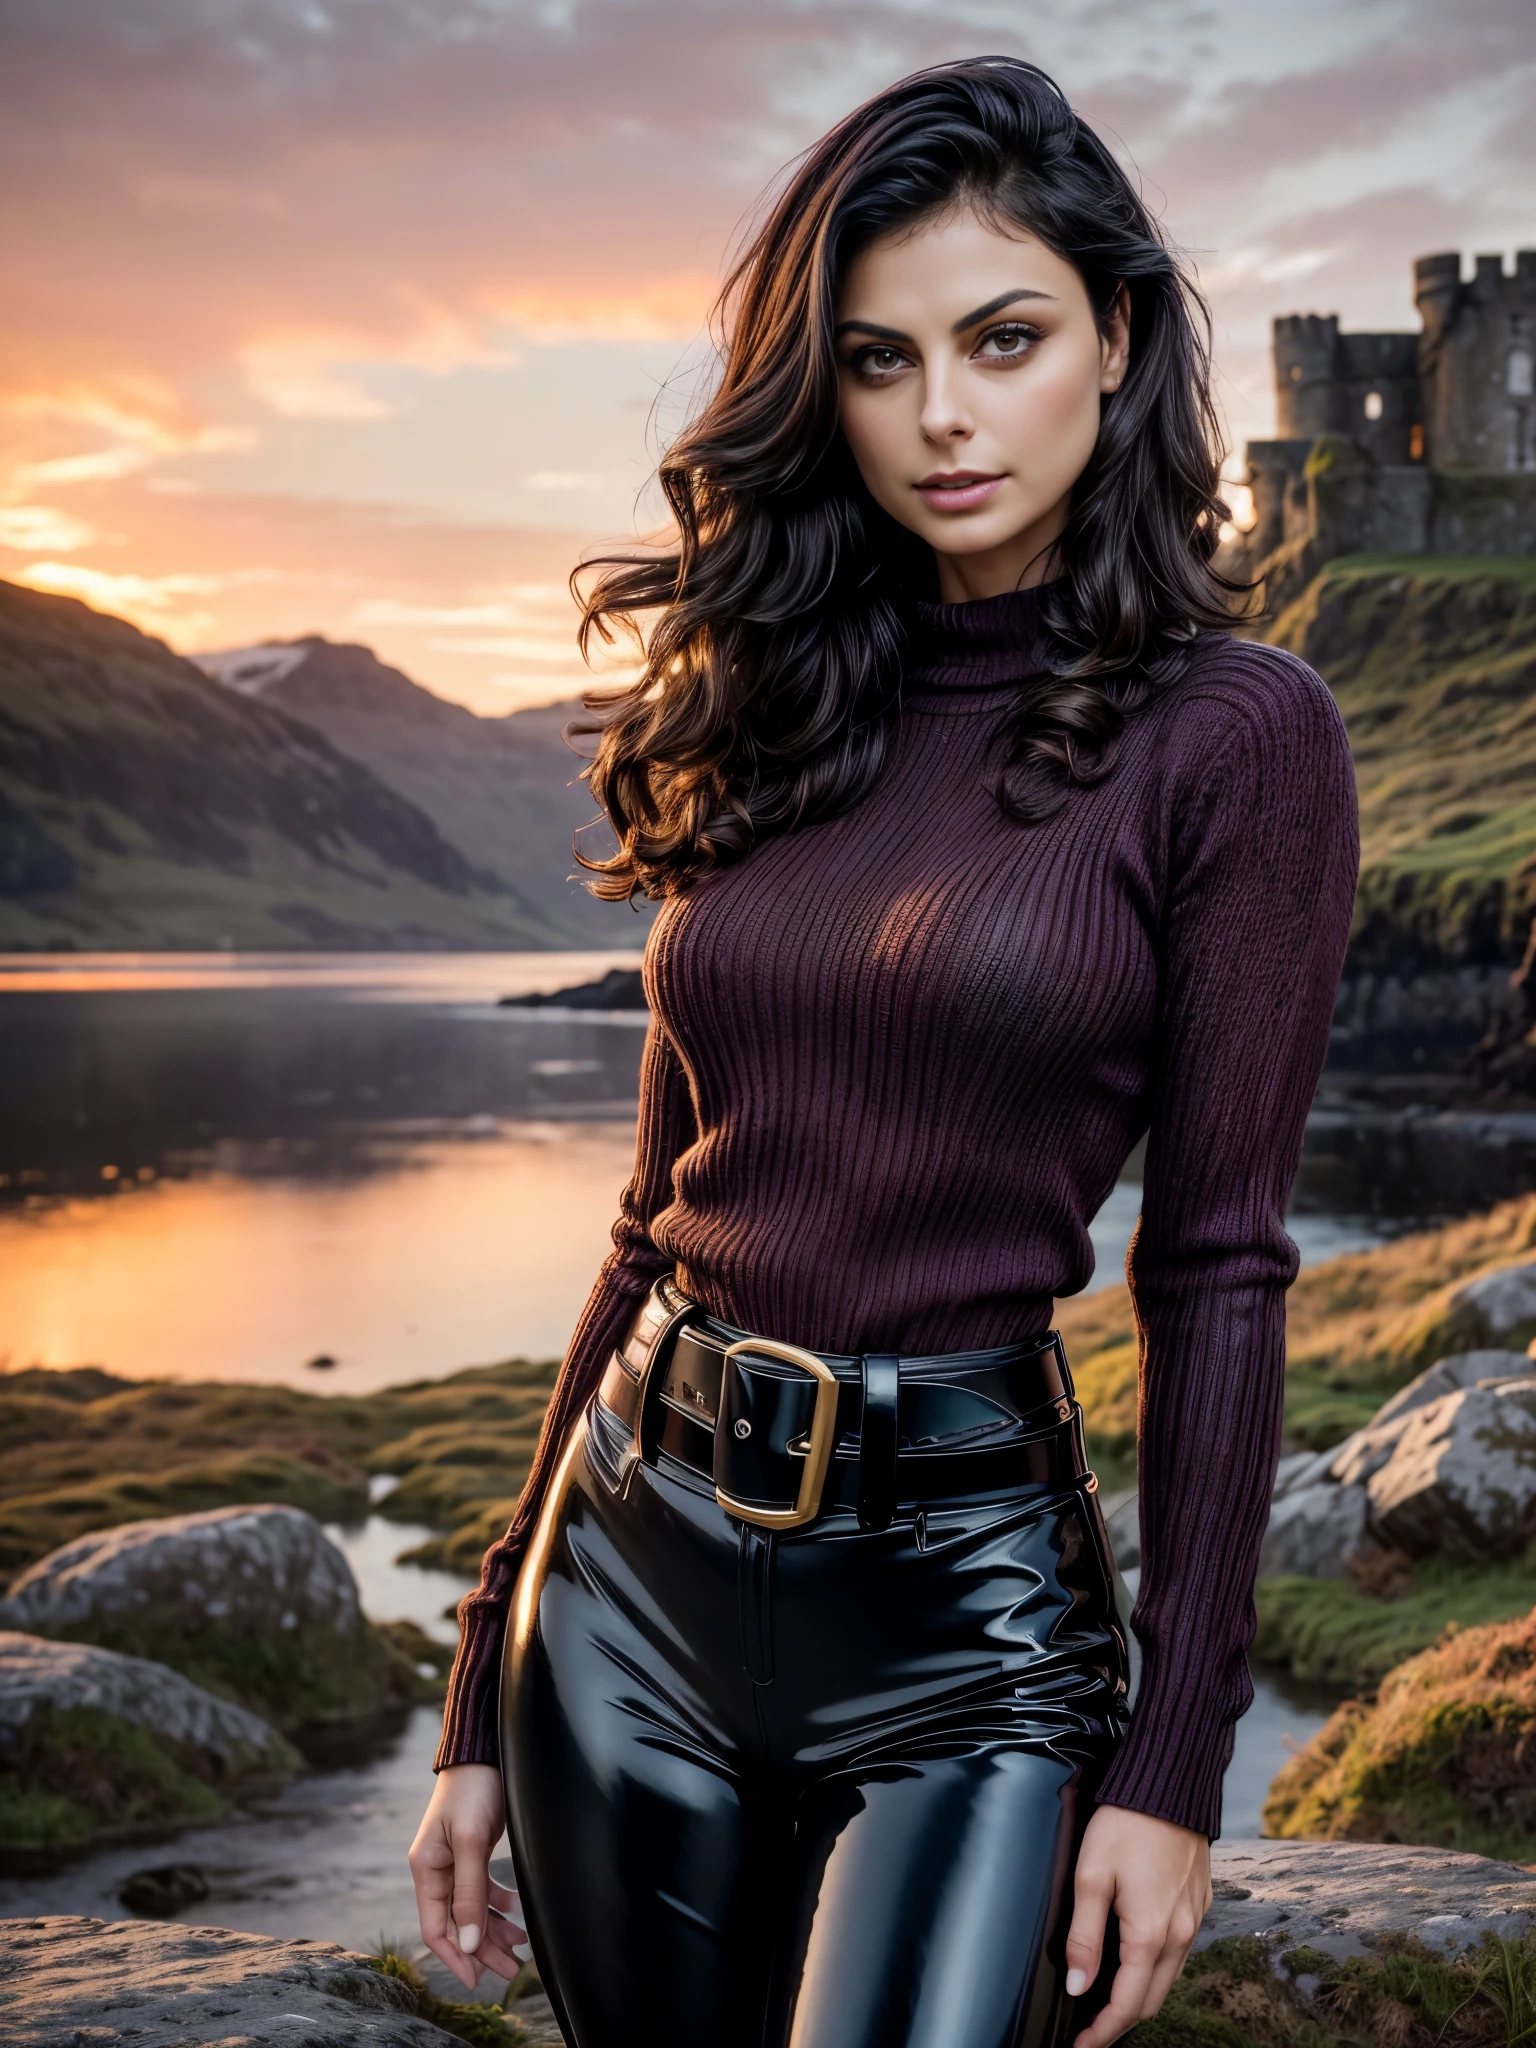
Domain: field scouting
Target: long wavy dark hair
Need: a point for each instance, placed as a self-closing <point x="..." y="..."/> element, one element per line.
<point x="774" y="624"/>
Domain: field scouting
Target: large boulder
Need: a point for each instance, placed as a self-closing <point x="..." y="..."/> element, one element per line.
<point x="1450" y="1375"/>
<point x="94" y="1745"/>
<point x="1314" y="1531"/>
<point x="1461" y="1480"/>
<point x="1499" y="1307"/>
<point x="1447" y="1466"/>
<point x="252" y="1602"/>
<point x="67" y="1982"/>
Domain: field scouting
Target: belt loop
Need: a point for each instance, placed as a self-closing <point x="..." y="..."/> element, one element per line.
<point x="877" y="1441"/>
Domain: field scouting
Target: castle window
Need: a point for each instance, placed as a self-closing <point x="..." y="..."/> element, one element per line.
<point x="1517" y="374"/>
<point x="1416" y="443"/>
<point x="1295" y="373"/>
<point x="1373" y="405"/>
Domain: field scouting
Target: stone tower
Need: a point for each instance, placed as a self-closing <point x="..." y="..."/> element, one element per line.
<point x="1365" y="386"/>
<point x="1476" y="358"/>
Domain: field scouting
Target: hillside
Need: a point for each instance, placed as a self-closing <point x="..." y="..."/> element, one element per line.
<point x="1433" y="662"/>
<point x="142" y="805"/>
<point x="503" y="790"/>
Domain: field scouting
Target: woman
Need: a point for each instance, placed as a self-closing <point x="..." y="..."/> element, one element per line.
<point x="984" y="850"/>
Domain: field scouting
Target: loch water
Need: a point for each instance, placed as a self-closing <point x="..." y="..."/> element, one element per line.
<point x="239" y="1166"/>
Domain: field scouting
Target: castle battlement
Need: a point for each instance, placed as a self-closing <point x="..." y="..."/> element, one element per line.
<point x="1430" y="437"/>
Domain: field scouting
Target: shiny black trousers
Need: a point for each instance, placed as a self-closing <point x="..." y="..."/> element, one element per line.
<point x="821" y="1789"/>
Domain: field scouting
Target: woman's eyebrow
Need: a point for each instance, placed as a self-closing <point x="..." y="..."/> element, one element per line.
<point x="996" y="306"/>
<point x="869" y="327"/>
<point x="981" y="313"/>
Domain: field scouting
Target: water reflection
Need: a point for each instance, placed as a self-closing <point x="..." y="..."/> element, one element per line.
<point x="446" y="1252"/>
<point x="114" y="1075"/>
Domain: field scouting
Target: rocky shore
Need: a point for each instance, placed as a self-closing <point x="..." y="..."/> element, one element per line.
<point x="1304" y="1942"/>
<point x="158" y="1668"/>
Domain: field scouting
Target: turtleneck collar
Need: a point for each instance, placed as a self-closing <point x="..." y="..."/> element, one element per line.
<point x="976" y="646"/>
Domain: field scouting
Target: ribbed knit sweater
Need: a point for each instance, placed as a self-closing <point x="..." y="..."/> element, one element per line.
<point x="898" y="1059"/>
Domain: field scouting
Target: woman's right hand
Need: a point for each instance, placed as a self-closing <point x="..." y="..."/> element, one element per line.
<point x="468" y="1922"/>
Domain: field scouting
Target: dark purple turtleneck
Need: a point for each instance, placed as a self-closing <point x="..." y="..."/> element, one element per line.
<point x="898" y="1059"/>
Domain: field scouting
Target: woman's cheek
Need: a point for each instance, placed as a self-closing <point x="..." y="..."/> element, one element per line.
<point x="876" y="438"/>
<point x="1049" y="426"/>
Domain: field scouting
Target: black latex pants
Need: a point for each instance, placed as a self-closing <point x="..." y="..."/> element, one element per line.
<point x="813" y="1790"/>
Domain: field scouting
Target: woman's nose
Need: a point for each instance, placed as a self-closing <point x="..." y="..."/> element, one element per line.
<point x="945" y="416"/>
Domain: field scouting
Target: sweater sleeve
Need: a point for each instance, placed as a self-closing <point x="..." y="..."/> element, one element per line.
<point x="666" y="1128"/>
<point x="1262" y="860"/>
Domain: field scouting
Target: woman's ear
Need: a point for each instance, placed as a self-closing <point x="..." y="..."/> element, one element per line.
<point x="1115" y="343"/>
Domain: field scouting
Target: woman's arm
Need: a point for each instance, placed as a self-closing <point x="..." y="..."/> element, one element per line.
<point x="466" y="1920"/>
<point x="1263" y="855"/>
<point x="1262" y="861"/>
<point x="666" y="1129"/>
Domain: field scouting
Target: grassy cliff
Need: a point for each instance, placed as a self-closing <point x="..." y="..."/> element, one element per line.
<point x="1433" y="662"/>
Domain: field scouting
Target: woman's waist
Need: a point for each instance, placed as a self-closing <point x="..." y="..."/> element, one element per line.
<point x="782" y="1429"/>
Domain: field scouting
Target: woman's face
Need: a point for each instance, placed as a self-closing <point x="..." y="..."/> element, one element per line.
<point x="971" y="370"/>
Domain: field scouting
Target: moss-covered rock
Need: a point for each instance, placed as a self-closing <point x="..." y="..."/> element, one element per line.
<point x="251" y="1603"/>
<point x="1446" y="1753"/>
<point x="96" y="1746"/>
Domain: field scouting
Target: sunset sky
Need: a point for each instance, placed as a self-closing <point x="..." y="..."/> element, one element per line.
<point x="363" y="316"/>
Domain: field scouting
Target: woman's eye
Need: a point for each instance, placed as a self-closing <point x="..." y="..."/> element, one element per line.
<point x="1004" y="342"/>
<point x="878" y="361"/>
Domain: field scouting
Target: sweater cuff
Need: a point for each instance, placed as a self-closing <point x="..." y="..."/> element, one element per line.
<point x="470" y="1731"/>
<point x="1173" y="1760"/>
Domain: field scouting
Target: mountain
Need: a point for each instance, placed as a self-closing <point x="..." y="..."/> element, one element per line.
<point x="503" y="790"/>
<point x="142" y="805"/>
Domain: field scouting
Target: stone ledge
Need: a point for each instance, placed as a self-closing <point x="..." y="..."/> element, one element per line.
<point x="1338" y="1896"/>
<point x="68" y="1982"/>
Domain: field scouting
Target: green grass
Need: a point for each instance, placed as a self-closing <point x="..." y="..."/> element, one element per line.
<point x="31" y="1524"/>
<point x="1329" y="1631"/>
<point x="1239" y="1993"/>
<point x="484" y="2026"/>
<point x="85" y="1450"/>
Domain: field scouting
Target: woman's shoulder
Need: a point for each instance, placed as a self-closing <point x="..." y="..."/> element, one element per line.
<point x="1227" y="691"/>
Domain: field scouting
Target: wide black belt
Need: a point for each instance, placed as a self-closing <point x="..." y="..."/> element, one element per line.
<point x="786" y="1433"/>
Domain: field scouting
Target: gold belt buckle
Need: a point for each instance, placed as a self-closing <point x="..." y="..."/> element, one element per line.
<point x="817" y="1448"/>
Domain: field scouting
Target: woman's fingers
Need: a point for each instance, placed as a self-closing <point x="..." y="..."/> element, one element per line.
<point x="1183" y="1926"/>
<point x="1128" y="1993"/>
<point x="431" y="1861"/>
<point x="499" y="1945"/>
<point x="450" y="1865"/>
<point x="1092" y="1894"/>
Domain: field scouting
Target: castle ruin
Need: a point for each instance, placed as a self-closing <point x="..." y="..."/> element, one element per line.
<point x="1403" y="443"/>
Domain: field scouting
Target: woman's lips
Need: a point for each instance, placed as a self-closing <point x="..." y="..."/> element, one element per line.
<point x="962" y="492"/>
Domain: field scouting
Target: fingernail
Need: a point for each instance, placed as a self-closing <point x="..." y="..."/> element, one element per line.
<point x="469" y="1939"/>
<point x="1077" y="1983"/>
<point x="523" y="1950"/>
